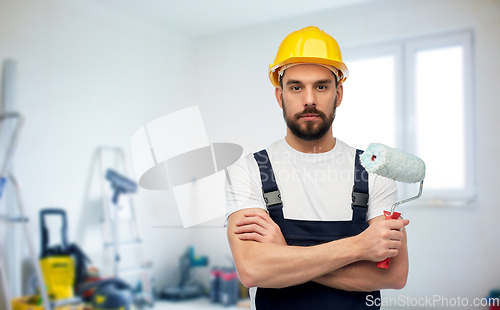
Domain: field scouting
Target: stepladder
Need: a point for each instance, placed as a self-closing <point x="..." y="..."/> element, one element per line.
<point x="8" y="178"/>
<point x="123" y="244"/>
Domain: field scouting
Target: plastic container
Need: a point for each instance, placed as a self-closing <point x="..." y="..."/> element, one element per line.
<point x="23" y="303"/>
<point x="215" y="281"/>
<point x="59" y="276"/>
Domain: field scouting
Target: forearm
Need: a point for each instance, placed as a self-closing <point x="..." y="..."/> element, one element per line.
<point x="366" y="276"/>
<point x="275" y="266"/>
<point x="269" y="262"/>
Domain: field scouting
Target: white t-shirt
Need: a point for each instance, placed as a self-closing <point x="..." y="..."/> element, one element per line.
<point x="313" y="186"/>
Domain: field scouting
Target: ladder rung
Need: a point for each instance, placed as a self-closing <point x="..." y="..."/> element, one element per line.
<point x="119" y="220"/>
<point x="123" y="243"/>
<point x="13" y="219"/>
<point x="136" y="268"/>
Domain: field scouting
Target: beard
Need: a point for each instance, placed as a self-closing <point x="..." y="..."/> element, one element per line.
<point x="311" y="131"/>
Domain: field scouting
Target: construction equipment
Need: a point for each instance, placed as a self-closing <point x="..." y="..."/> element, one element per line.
<point x="188" y="287"/>
<point x="58" y="268"/>
<point x="34" y="303"/>
<point x="119" y="211"/>
<point x="110" y="294"/>
<point x="64" y="266"/>
<point x="120" y="185"/>
<point x="21" y="219"/>
<point x="10" y="126"/>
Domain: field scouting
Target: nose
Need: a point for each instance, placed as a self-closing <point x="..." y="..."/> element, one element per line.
<point x="310" y="97"/>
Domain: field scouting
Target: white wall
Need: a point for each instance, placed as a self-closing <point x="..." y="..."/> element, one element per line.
<point x="89" y="77"/>
<point x="453" y="251"/>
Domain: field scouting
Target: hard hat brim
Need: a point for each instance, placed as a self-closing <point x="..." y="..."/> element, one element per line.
<point x="273" y="70"/>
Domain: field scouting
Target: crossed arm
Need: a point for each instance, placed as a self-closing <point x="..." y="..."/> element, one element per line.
<point x="263" y="258"/>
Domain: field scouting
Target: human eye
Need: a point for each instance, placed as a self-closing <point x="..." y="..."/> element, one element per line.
<point x="295" y="88"/>
<point x="322" y="87"/>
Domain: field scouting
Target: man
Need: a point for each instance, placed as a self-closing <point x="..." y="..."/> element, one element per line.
<point x="314" y="248"/>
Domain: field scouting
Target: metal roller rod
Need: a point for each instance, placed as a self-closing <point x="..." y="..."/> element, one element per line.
<point x="409" y="199"/>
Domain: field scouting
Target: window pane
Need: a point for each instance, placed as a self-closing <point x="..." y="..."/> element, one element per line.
<point x="440" y="116"/>
<point x="367" y="113"/>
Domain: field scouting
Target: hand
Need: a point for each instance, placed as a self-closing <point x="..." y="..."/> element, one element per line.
<point x="381" y="239"/>
<point x="258" y="226"/>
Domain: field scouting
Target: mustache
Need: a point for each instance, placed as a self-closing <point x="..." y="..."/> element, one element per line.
<point x="310" y="110"/>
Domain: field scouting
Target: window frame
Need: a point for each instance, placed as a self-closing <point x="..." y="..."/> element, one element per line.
<point x="405" y="52"/>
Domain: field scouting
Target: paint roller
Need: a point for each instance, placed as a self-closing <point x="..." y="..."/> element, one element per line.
<point x="398" y="166"/>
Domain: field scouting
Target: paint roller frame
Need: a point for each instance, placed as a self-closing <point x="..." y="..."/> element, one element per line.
<point x="409" y="199"/>
<point x="387" y="167"/>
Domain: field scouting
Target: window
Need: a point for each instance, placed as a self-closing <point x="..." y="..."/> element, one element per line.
<point x="439" y="99"/>
<point x="374" y="100"/>
<point x="416" y="95"/>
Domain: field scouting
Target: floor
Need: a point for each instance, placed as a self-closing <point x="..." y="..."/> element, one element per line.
<point x="203" y="304"/>
<point x="197" y="304"/>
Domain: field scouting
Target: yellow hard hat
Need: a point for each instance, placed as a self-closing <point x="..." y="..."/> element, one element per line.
<point x="309" y="45"/>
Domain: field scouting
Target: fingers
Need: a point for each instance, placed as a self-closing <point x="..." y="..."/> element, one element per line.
<point x="263" y="215"/>
<point x="255" y="217"/>
<point x="393" y="235"/>
<point x="250" y="228"/>
<point x="394" y="244"/>
<point x="392" y="240"/>
<point x="388" y="249"/>
<point x="249" y="220"/>
<point x="258" y="226"/>
<point x="383" y="238"/>
<point x="392" y="253"/>
<point x="252" y="236"/>
<point x="397" y="224"/>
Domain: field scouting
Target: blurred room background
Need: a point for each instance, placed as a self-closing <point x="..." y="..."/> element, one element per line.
<point x="88" y="73"/>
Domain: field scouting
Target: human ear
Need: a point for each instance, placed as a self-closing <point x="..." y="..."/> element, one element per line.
<point x="278" y="92"/>
<point x="340" y="94"/>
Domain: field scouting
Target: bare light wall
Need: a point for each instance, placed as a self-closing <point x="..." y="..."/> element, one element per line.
<point x="453" y="251"/>
<point x="88" y="77"/>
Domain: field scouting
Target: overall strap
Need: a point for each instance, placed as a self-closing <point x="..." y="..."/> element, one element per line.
<point x="360" y="188"/>
<point x="311" y="295"/>
<point x="270" y="189"/>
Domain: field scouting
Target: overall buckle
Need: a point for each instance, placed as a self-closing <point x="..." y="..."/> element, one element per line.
<point x="360" y="199"/>
<point x="272" y="198"/>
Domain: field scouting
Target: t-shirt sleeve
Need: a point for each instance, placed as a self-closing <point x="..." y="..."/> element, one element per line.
<point x="243" y="187"/>
<point x="383" y="194"/>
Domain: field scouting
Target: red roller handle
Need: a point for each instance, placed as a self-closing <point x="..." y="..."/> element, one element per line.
<point x="388" y="216"/>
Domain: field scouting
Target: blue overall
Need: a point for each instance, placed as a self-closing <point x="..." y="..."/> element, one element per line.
<point x="312" y="295"/>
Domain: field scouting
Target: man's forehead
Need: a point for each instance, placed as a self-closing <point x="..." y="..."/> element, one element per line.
<point x="308" y="73"/>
